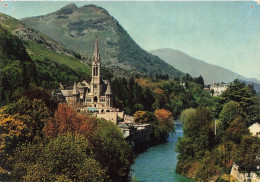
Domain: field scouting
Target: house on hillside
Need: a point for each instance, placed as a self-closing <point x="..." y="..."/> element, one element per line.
<point x="218" y="88"/>
<point x="255" y="129"/>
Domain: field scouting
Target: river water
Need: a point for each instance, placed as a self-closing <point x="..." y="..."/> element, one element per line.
<point x="158" y="163"/>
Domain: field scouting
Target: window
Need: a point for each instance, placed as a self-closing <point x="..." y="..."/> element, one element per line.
<point x="96" y="71"/>
<point x="95" y="99"/>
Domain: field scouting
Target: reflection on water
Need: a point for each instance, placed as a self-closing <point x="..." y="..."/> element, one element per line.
<point x="159" y="163"/>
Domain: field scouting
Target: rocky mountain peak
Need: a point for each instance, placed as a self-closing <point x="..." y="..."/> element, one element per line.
<point x="67" y="10"/>
<point x="93" y="9"/>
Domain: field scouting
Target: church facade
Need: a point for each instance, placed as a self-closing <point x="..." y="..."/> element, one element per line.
<point x="95" y="96"/>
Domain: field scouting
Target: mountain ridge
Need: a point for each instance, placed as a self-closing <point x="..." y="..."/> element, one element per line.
<point x="196" y="67"/>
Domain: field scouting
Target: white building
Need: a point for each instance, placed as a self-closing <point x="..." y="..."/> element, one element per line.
<point x="218" y="88"/>
<point x="255" y="129"/>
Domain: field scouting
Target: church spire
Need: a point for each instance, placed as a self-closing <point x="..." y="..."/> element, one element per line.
<point x="96" y="52"/>
<point x="75" y="91"/>
<point x="108" y="91"/>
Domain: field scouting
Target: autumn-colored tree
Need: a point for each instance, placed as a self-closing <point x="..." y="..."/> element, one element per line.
<point x="65" y="120"/>
<point x="11" y="129"/>
<point x="141" y="117"/>
<point x="162" y="115"/>
<point x="21" y="122"/>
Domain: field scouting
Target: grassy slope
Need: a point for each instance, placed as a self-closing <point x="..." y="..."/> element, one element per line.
<point x="37" y="51"/>
<point x="10" y="23"/>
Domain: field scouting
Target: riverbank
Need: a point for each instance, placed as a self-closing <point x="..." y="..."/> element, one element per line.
<point x="159" y="162"/>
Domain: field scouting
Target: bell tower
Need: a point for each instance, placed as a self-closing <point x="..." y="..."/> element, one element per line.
<point x="95" y="82"/>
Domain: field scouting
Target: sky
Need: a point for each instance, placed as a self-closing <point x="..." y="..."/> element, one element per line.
<point x="224" y="33"/>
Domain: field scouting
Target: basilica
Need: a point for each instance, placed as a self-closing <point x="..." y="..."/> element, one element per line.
<point x="95" y="96"/>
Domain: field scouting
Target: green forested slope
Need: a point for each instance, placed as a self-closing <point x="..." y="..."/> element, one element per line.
<point x="41" y="67"/>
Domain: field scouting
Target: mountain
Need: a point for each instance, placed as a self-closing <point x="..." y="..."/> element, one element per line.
<point x="211" y="73"/>
<point x="76" y="28"/>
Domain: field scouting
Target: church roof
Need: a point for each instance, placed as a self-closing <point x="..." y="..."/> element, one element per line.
<point x="79" y="85"/>
<point x="75" y="89"/>
<point x="66" y="93"/>
<point x="123" y="125"/>
<point x="84" y="83"/>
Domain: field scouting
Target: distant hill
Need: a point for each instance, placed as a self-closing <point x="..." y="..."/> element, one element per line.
<point x="210" y="73"/>
<point x="76" y="28"/>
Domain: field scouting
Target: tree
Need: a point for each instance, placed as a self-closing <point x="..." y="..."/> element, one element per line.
<point x="212" y="91"/>
<point x="247" y="152"/>
<point x="162" y="115"/>
<point x="44" y="95"/>
<point x="105" y="139"/>
<point x="21" y="122"/>
<point x="200" y="81"/>
<point x="244" y="95"/>
<point x="65" y="120"/>
<point x="111" y="150"/>
<point x="236" y="130"/>
<point x="186" y="115"/>
<point x="65" y="157"/>
<point x="198" y="128"/>
<point x="230" y="111"/>
<point x="138" y="107"/>
<point x="141" y="117"/>
<point x="184" y="147"/>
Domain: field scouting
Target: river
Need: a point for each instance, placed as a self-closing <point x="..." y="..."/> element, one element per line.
<point x="158" y="163"/>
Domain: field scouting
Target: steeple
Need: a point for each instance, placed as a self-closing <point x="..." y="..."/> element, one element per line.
<point x="75" y="91"/>
<point x="108" y="91"/>
<point x="95" y="81"/>
<point x="96" y="52"/>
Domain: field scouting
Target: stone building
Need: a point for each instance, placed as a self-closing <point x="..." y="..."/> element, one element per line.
<point x="218" y="88"/>
<point x="95" y="96"/>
